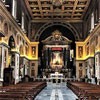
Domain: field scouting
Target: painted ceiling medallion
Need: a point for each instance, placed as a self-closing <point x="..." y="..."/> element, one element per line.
<point x="57" y="3"/>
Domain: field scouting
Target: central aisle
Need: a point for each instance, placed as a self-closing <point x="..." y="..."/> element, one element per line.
<point x="56" y="92"/>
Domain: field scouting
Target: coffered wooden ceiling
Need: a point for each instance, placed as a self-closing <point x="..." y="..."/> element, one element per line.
<point x="48" y="10"/>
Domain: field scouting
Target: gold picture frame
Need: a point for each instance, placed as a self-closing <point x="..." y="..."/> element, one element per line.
<point x="80" y="51"/>
<point x="33" y="51"/>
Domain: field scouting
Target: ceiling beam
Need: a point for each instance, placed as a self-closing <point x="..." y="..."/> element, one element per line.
<point x="52" y="11"/>
<point x="47" y="11"/>
<point x="75" y="5"/>
<point x="62" y="11"/>
<point x="40" y="8"/>
<point x="55" y="20"/>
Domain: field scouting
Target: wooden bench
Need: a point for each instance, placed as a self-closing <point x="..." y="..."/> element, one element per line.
<point x="22" y="91"/>
<point x="85" y="91"/>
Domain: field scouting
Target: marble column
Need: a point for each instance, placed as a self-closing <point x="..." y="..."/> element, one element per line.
<point x="49" y="53"/>
<point x="64" y="54"/>
<point x="16" y="68"/>
<point x="3" y="63"/>
<point x="66" y="57"/>
<point x="46" y="56"/>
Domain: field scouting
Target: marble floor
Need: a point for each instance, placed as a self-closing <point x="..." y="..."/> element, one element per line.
<point x="56" y="92"/>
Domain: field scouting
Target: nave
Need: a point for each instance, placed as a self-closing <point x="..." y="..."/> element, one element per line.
<point x="56" y="92"/>
<point x="39" y="90"/>
<point x="49" y="39"/>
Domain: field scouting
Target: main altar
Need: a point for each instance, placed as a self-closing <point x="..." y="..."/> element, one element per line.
<point x="57" y="55"/>
<point x="56" y="77"/>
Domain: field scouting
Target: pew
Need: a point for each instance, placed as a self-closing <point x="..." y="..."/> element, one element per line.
<point x="21" y="91"/>
<point x="85" y="91"/>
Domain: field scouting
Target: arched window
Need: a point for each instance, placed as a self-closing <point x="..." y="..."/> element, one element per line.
<point x="11" y="42"/>
<point x="6" y="28"/>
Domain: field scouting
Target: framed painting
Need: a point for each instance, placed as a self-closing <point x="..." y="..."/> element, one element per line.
<point x="33" y="51"/>
<point x="80" y="51"/>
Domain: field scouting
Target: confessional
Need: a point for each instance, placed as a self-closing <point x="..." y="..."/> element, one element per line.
<point x="8" y="76"/>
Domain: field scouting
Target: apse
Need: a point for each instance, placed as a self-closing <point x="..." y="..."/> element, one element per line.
<point x="52" y="60"/>
<point x="65" y="32"/>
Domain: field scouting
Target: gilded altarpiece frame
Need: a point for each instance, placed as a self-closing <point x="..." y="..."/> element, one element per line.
<point x="80" y="51"/>
<point x="34" y="51"/>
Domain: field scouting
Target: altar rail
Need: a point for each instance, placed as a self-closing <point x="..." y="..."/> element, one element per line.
<point x="50" y="79"/>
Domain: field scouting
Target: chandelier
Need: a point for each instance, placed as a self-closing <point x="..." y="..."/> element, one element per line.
<point x="57" y="3"/>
